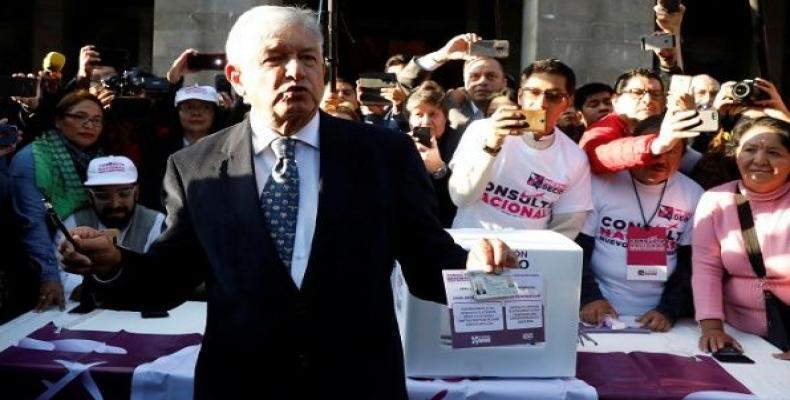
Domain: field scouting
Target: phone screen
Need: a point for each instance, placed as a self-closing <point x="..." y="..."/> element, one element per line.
<point x="21" y="87"/>
<point x="207" y="61"/>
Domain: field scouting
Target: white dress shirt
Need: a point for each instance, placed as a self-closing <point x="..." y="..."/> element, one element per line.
<point x="307" y="161"/>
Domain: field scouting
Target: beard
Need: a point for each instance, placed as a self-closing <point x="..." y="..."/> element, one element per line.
<point x="116" y="218"/>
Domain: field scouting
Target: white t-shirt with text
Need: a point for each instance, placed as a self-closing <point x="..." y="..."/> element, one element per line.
<point x="527" y="184"/>
<point x="615" y="209"/>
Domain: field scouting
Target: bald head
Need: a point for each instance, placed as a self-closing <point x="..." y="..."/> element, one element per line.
<point x="704" y="87"/>
<point x="483" y="78"/>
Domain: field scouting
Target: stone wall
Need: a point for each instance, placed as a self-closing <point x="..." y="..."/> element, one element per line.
<point x="599" y="39"/>
<point x="199" y="24"/>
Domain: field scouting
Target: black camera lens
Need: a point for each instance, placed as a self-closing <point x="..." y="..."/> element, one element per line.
<point x="742" y="90"/>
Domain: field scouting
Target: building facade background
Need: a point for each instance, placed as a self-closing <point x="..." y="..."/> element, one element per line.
<point x="598" y="38"/>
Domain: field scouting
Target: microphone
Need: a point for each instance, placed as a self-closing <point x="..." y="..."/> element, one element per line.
<point x="54" y="61"/>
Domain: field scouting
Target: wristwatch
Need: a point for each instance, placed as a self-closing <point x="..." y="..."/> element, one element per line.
<point x="441" y="172"/>
<point x="492" y="150"/>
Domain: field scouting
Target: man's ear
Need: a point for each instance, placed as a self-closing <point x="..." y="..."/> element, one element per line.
<point x="136" y="193"/>
<point x="233" y="74"/>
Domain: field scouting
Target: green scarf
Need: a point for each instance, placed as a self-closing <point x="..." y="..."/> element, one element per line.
<point x="56" y="175"/>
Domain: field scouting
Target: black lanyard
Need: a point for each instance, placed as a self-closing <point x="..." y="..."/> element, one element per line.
<point x="639" y="201"/>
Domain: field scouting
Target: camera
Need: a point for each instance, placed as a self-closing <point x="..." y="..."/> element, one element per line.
<point x="135" y="83"/>
<point x="746" y="91"/>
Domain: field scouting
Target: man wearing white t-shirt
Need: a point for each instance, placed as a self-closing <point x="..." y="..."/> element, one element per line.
<point x="637" y="241"/>
<point x="507" y="174"/>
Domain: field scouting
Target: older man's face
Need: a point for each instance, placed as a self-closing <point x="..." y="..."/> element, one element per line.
<point x="285" y="81"/>
<point x="482" y="78"/>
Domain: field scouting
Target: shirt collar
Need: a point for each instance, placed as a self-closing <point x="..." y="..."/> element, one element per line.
<point x="263" y="135"/>
<point x="544" y="142"/>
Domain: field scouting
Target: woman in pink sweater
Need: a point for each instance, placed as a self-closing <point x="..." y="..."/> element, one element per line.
<point x="724" y="283"/>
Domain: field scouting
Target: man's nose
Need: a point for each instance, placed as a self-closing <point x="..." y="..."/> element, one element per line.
<point x="293" y="69"/>
<point x="115" y="202"/>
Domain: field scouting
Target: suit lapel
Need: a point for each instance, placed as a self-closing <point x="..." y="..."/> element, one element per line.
<point x="237" y="171"/>
<point x="333" y="186"/>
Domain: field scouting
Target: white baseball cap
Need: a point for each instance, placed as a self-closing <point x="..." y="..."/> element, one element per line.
<point x="111" y="170"/>
<point x="205" y="93"/>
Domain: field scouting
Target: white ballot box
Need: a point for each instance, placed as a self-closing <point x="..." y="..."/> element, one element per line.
<point x="425" y="326"/>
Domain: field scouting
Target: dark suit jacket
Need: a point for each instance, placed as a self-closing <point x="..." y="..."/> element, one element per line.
<point x="337" y="336"/>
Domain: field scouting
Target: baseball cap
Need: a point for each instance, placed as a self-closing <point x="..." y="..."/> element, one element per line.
<point x="205" y="93"/>
<point x="111" y="170"/>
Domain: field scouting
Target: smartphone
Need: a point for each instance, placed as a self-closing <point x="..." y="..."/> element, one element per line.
<point x="20" y="87"/>
<point x="117" y="58"/>
<point x="154" y="314"/>
<point x="729" y="354"/>
<point x="371" y="84"/>
<point x="490" y="48"/>
<point x="670" y="5"/>
<point x="710" y="121"/>
<point x="680" y="84"/>
<point x="83" y="308"/>
<point x="207" y="61"/>
<point x="221" y="84"/>
<point x="423" y="135"/>
<point x="536" y="120"/>
<point x="657" y="41"/>
<point x="8" y="135"/>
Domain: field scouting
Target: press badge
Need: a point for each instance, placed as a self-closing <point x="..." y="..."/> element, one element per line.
<point x="647" y="254"/>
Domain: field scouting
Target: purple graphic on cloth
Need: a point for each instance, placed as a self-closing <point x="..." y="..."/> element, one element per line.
<point x="653" y="375"/>
<point x="24" y="370"/>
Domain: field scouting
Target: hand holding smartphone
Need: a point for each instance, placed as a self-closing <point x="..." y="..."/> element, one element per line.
<point x="423" y="135"/>
<point x="536" y="120"/>
<point x="207" y="61"/>
<point x="371" y="84"/>
<point x="18" y="86"/>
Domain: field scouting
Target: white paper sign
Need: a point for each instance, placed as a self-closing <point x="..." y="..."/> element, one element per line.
<point x="501" y="322"/>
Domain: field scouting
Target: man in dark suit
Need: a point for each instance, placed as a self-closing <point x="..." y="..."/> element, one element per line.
<point x="294" y="219"/>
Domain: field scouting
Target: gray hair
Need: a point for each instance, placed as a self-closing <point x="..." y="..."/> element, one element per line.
<point x="264" y="22"/>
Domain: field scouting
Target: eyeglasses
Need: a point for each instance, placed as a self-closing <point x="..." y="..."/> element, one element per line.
<point x="106" y="196"/>
<point x="189" y="108"/>
<point x="83" y="118"/>
<point x="552" y="95"/>
<point x="639" y="93"/>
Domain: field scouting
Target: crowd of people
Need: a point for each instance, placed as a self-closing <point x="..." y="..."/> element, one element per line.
<point x="656" y="204"/>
